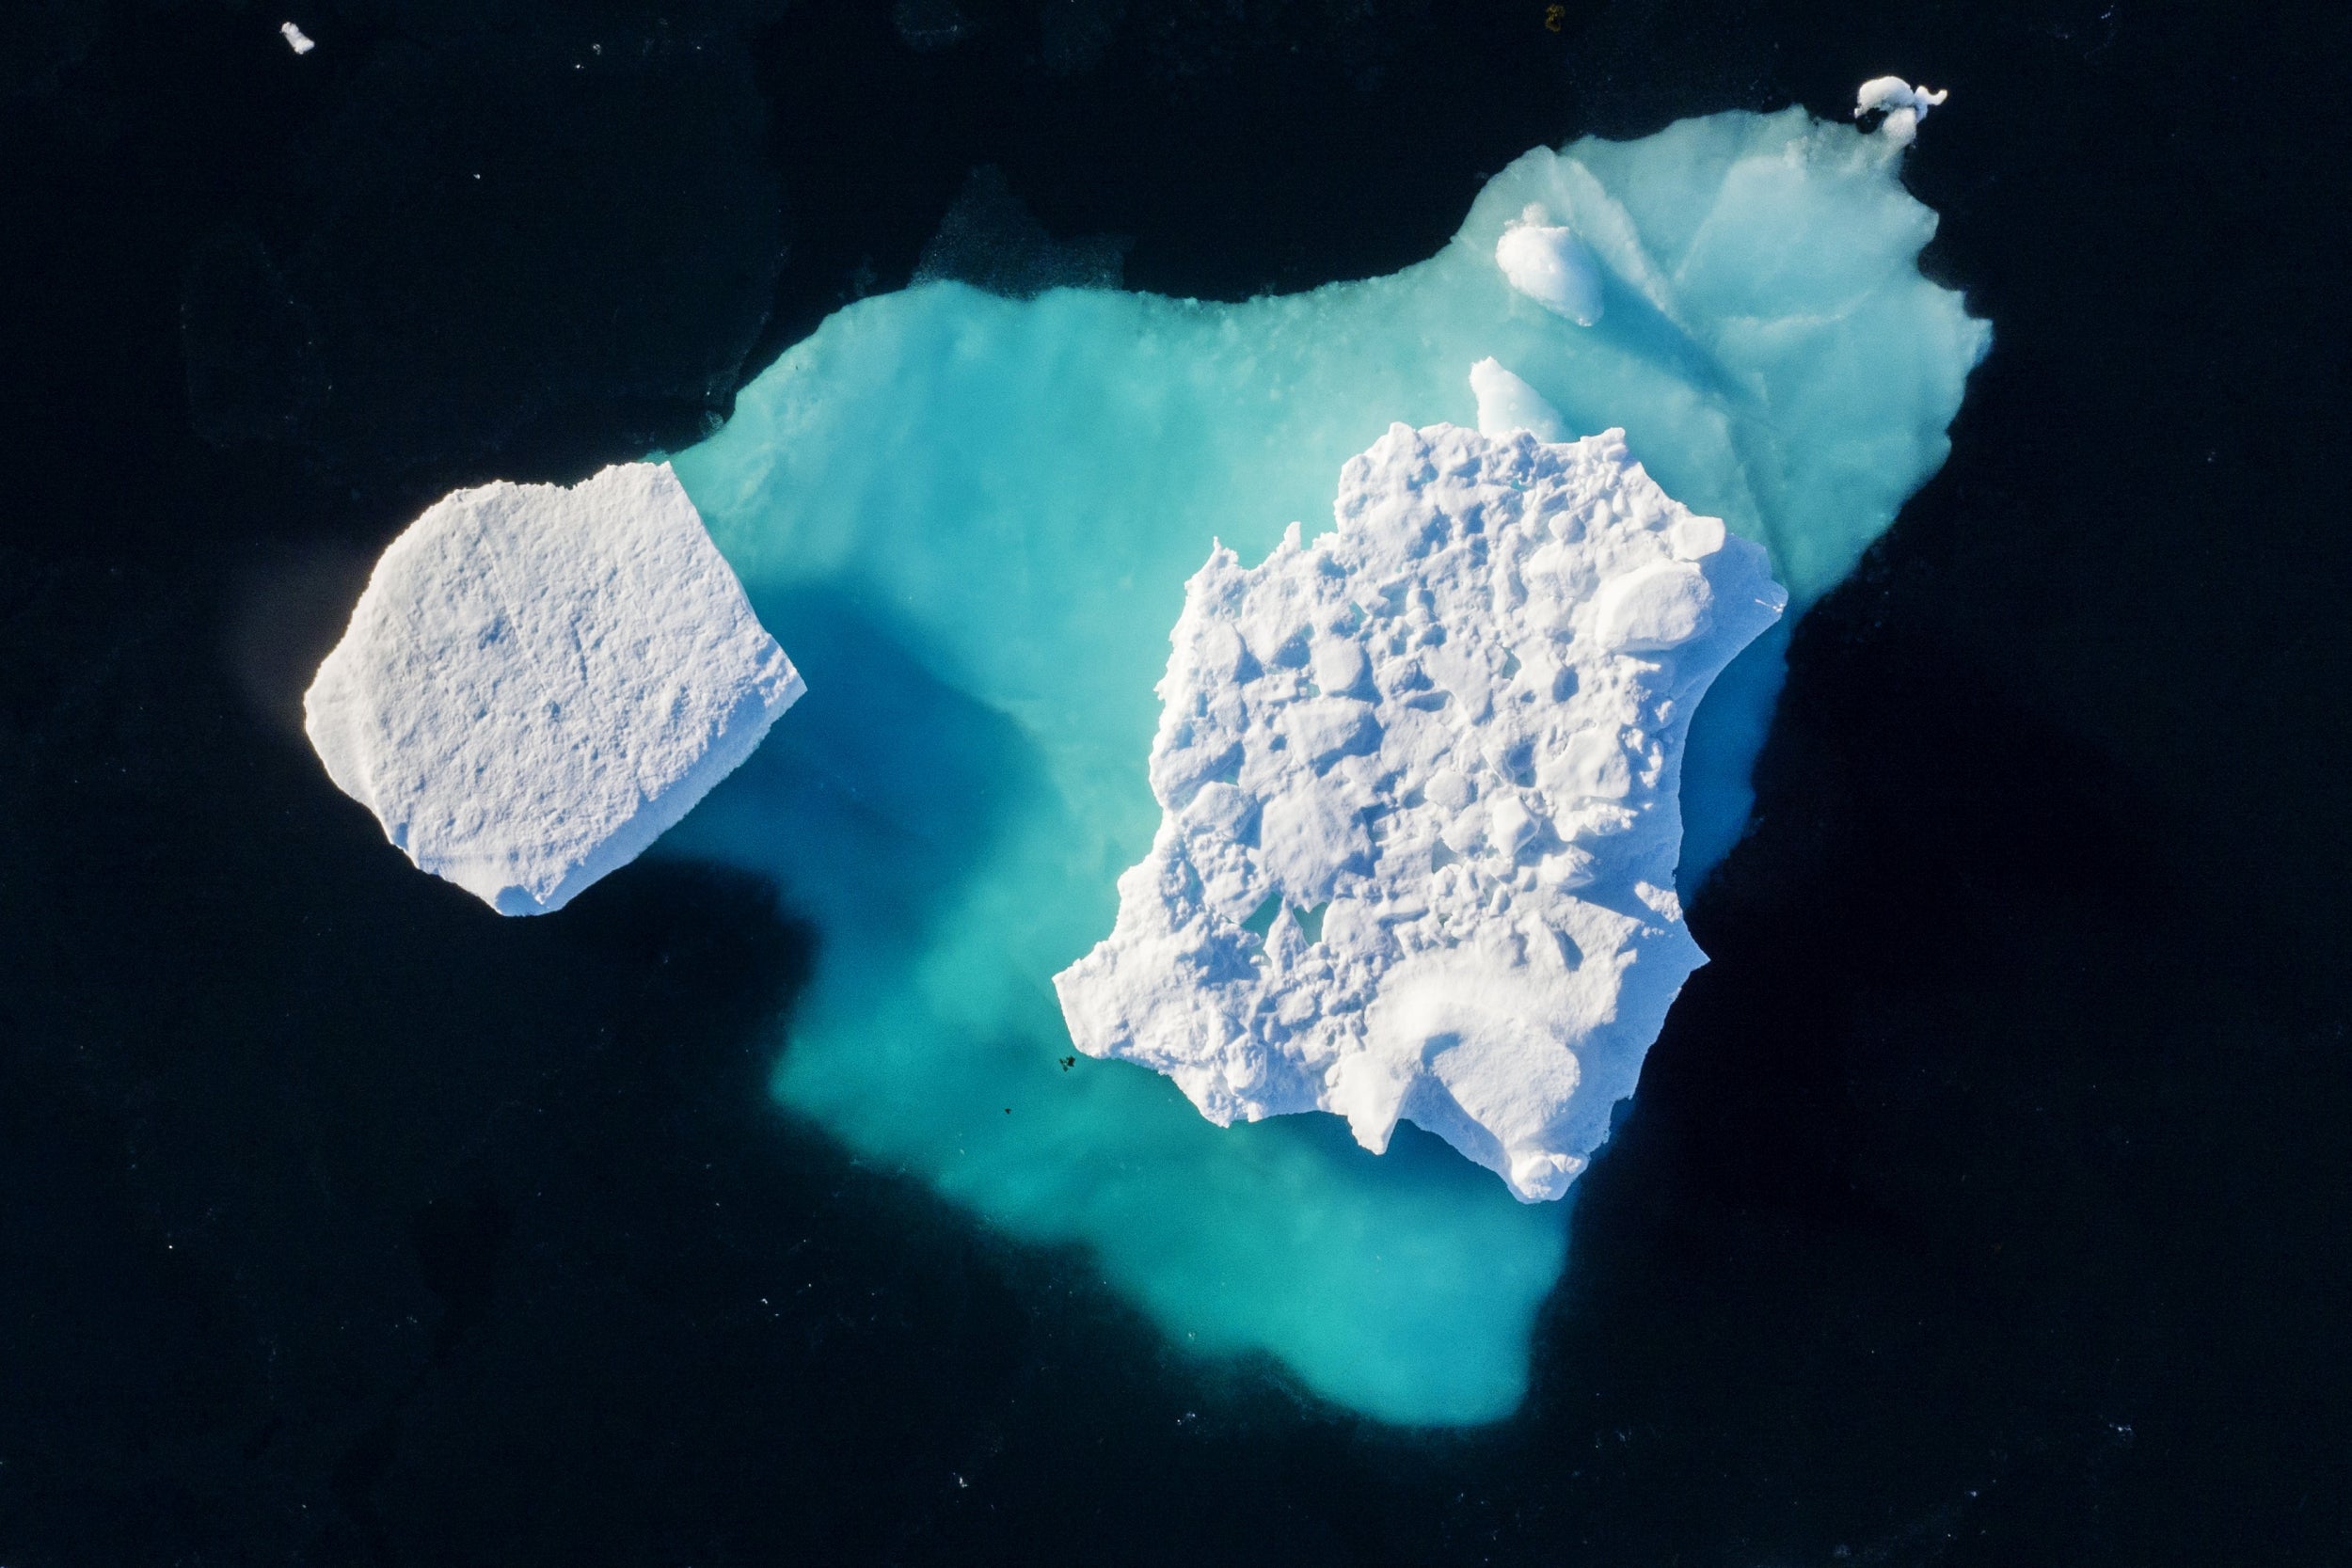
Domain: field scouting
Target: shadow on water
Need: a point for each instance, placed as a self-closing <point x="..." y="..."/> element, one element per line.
<point x="880" y="789"/>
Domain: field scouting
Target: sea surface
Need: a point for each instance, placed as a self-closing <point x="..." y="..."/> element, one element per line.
<point x="1987" y="1200"/>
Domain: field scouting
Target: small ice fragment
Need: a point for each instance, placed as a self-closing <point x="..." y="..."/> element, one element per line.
<point x="539" y="681"/>
<point x="1903" y="104"/>
<point x="1657" y="608"/>
<point x="297" y="39"/>
<point x="1507" y="403"/>
<point x="1695" y="538"/>
<point x="1550" y="266"/>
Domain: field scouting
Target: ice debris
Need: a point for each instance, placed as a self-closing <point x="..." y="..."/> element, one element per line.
<point x="297" y="39"/>
<point x="1420" y="823"/>
<point x="1903" y="104"/>
<point x="538" y="681"/>
<point x="1507" y="403"/>
<point x="1551" y="266"/>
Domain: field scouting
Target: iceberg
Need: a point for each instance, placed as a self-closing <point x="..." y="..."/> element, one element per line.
<point x="538" y="681"/>
<point x="1442" y="746"/>
<point x="977" y="514"/>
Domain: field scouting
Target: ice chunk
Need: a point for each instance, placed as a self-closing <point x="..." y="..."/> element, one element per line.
<point x="1507" y="403"/>
<point x="1903" y="104"/>
<point x="297" y="39"/>
<point x="1531" y="632"/>
<point x="539" y="680"/>
<point x="1657" y="608"/>
<point x="1550" y="266"/>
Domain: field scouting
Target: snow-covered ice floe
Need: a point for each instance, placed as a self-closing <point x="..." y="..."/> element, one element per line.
<point x="297" y="39"/>
<point x="1439" y="749"/>
<point x="539" y="680"/>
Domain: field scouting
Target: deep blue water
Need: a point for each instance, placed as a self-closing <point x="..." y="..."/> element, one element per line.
<point x="1985" y="1202"/>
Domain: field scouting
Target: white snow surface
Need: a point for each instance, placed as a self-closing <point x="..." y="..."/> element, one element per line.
<point x="1551" y="266"/>
<point x="1441" y="746"/>
<point x="538" y="681"/>
<point x="297" y="39"/>
<point x="1903" y="104"/>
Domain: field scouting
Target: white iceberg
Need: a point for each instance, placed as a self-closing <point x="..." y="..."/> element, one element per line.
<point x="1419" y="781"/>
<point x="989" y="545"/>
<point x="539" y="680"/>
<point x="297" y="39"/>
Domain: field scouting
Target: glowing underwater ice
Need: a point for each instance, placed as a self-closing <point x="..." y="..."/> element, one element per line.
<point x="972" y="519"/>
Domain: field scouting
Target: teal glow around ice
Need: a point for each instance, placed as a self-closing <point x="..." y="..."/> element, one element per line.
<point x="970" y="520"/>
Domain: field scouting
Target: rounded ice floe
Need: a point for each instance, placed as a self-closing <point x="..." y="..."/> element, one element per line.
<point x="1550" y="266"/>
<point x="1439" y="750"/>
<point x="1903" y="104"/>
<point x="538" y="681"/>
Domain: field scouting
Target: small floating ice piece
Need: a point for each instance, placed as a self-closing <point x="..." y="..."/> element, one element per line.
<point x="1550" y="266"/>
<point x="297" y="39"/>
<point x="1507" y="403"/>
<point x="1903" y="104"/>
<point x="1440" y="748"/>
<point x="538" y="681"/>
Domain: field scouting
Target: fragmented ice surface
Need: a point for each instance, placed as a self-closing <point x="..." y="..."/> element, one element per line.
<point x="1438" y="749"/>
<point x="976" y="514"/>
<point x="538" y="681"/>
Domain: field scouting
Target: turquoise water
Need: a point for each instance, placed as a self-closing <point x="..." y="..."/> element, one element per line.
<point x="970" y="519"/>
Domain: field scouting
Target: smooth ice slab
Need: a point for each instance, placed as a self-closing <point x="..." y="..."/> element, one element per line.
<point x="978" y="515"/>
<point x="1443" y="745"/>
<point x="538" y="681"/>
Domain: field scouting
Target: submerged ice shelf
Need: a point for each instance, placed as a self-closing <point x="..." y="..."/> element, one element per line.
<point x="976" y="515"/>
<point x="1443" y="744"/>
<point x="538" y="681"/>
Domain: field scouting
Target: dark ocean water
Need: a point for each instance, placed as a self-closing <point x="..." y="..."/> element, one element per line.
<point x="1986" y="1201"/>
